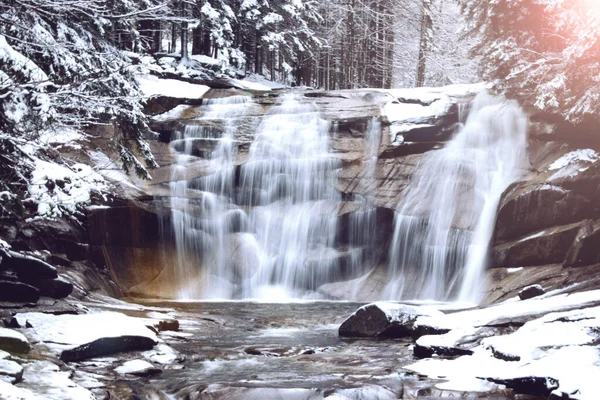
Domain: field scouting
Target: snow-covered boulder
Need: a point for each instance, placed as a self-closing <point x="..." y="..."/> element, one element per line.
<point x="529" y="346"/>
<point x="79" y="337"/>
<point x="137" y="368"/>
<point x="13" y="341"/>
<point x="383" y="319"/>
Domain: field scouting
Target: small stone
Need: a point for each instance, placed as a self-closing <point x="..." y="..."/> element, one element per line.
<point x="531" y="292"/>
<point x="168" y="325"/>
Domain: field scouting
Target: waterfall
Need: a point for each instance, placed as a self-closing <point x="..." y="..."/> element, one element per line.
<point x="444" y="225"/>
<point x="203" y="210"/>
<point x="289" y="184"/>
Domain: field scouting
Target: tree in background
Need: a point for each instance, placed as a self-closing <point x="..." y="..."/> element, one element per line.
<point x="544" y="52"/>
<point x="61" y="66"/>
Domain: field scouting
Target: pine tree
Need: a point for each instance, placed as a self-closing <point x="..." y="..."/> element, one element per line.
<point x="547" y="53"/>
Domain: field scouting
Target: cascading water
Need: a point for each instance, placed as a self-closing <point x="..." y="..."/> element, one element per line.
<point x="362" y="221"/>
<point x="272" y="235"/>
<point x="444" y="225"/>
<point x="288" y="182"/>
<point x="203" y="211"/>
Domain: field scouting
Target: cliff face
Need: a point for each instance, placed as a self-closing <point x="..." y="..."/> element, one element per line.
<point x="547" y="229"/>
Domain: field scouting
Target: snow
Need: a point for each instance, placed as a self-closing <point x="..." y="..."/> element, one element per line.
<point x="154" y="86"/>
<point x="249" y="85"/>
<point x="541" y="347"/>
<point x="581" y="155"/>
<point x="439" y="101"/>
<point x="403" y="313"/>
<point x="259" y="79"/>
<point x="205" y="59"/>
<point x="513" y="270"/>
<point x="57" y="188"/>
<point x="535" y="235"/>
<point x="173" y="113"/>
<point x="9" y="333"/>
<point x="9" y="370"/>
<point x="134" y="367"/>
<point x="161" y="354"/>
<point x="10" y="392"/>
<point x="109" y="169"/>
<point x="4" y="244"/>
<point x="64" y="136"/>
<point x="61" y="332"/>
<point x="47" y="380"/>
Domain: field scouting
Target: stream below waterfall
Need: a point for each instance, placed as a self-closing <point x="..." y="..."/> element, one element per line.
<point x="251" y="350"/>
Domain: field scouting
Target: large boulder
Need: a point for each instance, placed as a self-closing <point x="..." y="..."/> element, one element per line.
<point x="112" y="333"/>
<point x="27" y="266"/>
<point x="388" y="320"/>
<point x="18" y="292"/>
<point x="57" y="288"/>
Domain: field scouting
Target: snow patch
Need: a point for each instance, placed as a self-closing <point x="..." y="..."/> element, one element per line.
<point x="57" y="188"/>
<point x="61" y="332"/>
<point x="134" y="367"/>
<point x="154" y="86"/>
<point x="581" y="155"/>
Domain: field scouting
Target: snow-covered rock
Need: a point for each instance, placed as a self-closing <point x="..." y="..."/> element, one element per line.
<point x="153" y="86"/>
<point x="138" y="368"/>
<point x="553" y="333"/>
<point x="46" y="380"/>
<point x="10" y="371"/>
<point x="13" y="341"/>
<point x="384" y="320"/>
<point x="78" y="337"/>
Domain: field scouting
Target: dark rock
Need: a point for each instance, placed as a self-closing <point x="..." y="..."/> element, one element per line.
<point x="18" y="292"/>
<point x="11" y="323"/>
<point x="13" y="342"/>
<point x="406" y="149"/>
<point x="168" y="325"/>
<point x="584" y="250"/>
<point x="531" y="292"/>
<point x="421" y="351"/>
<point x="58" y="288"/>
<point x="543" y="248"/>
<point x="505" y="356"/>
<point x="534" y="386"/>
<point x="253" y="351"/>
<point x="28" y="266"/>
<point x="528" y="207"/>
<point x="396" y="321"/>
<point x="107" y="346"/>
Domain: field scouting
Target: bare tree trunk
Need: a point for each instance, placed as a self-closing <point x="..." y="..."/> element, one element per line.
<point x="426" y="26"/>
<point x="184" y="33"/>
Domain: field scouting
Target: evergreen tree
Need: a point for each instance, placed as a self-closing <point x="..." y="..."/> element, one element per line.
<point x="545" y="52"/>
